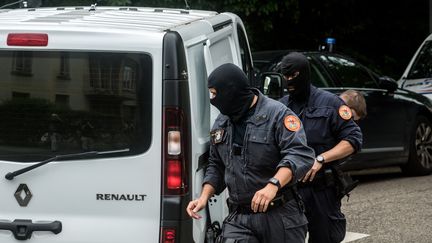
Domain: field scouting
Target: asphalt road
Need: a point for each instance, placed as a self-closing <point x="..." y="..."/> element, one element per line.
<point x="390" y="207"/>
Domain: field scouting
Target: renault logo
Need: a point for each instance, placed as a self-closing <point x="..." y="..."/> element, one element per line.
<point x="23" y="195"/>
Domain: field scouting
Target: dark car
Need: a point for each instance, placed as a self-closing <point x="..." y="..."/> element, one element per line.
<point x="397" y="129"/>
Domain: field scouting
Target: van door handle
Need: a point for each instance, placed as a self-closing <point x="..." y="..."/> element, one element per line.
<point x="23" y="229"/>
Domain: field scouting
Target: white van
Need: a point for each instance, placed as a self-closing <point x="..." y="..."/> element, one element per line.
<point x="105" y="120"/>
<point x="418" y="75"/>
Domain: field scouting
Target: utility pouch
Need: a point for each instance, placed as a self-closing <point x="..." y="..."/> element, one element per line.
<point x="344" y="183"/>
<point x="219" y="239"/>
<point x="213" y="232"/>
<point x="329" y="178"/>
<point x="299" y="199"/>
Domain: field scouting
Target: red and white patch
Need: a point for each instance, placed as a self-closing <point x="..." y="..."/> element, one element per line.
<point x="292" y="123"/>
<point x="345" y="112"/>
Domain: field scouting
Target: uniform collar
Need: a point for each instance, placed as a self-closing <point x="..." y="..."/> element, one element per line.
<point x="313" y="91"/>
<point x="260" y="116"/>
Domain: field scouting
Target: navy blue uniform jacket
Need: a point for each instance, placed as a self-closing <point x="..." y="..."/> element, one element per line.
<point x="267" y="145"/>
<point x="323" y="125"/>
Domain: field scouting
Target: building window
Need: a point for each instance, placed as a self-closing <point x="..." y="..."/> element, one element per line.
<point x="104" y="72"/>
<point x="64" y="66"/>
<point x="22" y="63"/>
<point x="129" y="75"/>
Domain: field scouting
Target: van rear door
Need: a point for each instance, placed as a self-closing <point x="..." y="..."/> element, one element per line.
<point x="220" y="48"/>
<point x="97" y="108"/>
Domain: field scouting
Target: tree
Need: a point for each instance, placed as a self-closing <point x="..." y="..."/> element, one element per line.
<point x="371" y="31"/>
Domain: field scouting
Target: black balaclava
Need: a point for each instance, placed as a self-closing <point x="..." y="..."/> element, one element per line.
<point x="233" y="92"/>
<point x="292" y="63"/>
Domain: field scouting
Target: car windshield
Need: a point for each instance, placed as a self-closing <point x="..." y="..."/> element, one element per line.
<point x="54" y="103"/>
<point x="318" y="76"/>
<point x="422" y="66"/>
<point x="351" y="74"/>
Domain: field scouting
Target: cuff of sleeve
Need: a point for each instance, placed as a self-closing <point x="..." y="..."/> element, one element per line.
<point x="354" y="144"/>
<point x="218" y="188"/>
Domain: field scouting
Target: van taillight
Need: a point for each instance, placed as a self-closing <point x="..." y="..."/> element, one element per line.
<point x="168" y="235"/>
<point x="174" y="175"/>
<point x="27" y="39"/>
<point x="174" y="148"/>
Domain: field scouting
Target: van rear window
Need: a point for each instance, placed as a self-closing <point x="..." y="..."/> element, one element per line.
<point x="54" y="103"/>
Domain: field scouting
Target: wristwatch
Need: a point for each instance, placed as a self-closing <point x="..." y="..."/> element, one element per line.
<point x="320" y="159"/>
<point x="275" y="182"/>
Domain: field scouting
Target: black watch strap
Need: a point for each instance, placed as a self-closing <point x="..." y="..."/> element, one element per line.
<point x="275" y="182"/>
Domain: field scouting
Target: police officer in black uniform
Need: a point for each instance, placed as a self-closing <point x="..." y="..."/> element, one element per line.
<point x="332" y="133"/>
<point x="258" y="150"/>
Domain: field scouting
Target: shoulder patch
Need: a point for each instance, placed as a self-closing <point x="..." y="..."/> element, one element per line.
<point x="292" y="123"/>
<point x="217" y="136"/>
<point x="345" y="112"/>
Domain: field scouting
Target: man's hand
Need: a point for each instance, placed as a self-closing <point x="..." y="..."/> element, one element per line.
<point x="263" y="197"/>
<point x="195" y="206"/>
<point x="311" y="173"/>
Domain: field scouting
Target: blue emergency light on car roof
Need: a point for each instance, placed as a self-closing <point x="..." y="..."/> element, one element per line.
<point x="331" y="40"/>
<point x="330" y="43"/>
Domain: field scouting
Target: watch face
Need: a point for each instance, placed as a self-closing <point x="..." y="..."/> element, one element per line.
<point x="274" y="180"/>
<point x="320" y="159"/>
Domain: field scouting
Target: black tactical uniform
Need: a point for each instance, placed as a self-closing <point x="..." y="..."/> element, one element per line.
<point x="248" y="146"/>
<point x="326" y="123"/>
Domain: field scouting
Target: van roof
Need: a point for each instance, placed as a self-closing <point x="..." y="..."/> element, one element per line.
<point x="140" y="18"/>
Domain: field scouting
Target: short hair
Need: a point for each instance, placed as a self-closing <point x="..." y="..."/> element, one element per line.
<point x="356" y="101"/>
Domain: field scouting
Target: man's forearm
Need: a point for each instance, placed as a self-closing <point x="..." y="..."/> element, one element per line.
<point x="284" y="175"/>
<point x="341" y="150"/>
<point x="207" y="191"/>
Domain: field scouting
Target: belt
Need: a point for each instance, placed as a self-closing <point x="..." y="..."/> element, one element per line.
<point x="278" y="201"/>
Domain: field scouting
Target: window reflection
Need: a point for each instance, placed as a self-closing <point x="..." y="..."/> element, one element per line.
<point x="64" y="66"/>
<point x="97" y="109"/>
<point x="22" y="63"/>
<point x="350" y="73"/>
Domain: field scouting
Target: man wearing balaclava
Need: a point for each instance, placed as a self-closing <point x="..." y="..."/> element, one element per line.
<point x="258" y="151"/>
<point x="332" y="133"/>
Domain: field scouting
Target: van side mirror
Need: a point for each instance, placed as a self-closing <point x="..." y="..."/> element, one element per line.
<point x="271" y="84"/>
<point x="388" y="83"/>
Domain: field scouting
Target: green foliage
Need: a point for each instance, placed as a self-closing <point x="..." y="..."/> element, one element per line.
<point x="119" y="2"/>
<point x="372" y="30"/>
<point x="55" y="3"/>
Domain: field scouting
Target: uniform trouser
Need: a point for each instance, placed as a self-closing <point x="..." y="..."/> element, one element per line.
<point x="327" y="224"/>
<point x="285" y="224"/>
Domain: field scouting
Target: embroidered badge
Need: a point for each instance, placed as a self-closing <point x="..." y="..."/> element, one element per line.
<point x="292" y="123"/>
<point x="345" y="112"/>
<point x="217" y="136"/>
